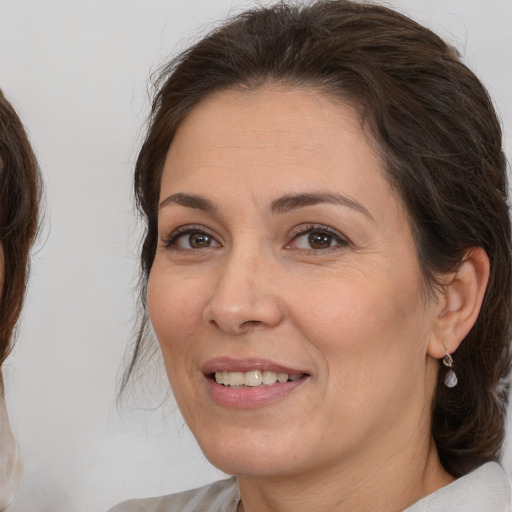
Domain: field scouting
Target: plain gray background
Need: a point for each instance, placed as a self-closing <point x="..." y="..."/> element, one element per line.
<point x="77" y="72"/>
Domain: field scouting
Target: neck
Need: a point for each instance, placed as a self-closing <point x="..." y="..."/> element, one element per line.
<point x="394" y="481"/>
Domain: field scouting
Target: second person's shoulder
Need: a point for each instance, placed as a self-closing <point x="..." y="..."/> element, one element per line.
<point x="221" y="496"/>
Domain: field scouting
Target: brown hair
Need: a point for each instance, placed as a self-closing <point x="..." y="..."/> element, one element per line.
<point x="20" y="190"/>
<point x="440" y="141"/>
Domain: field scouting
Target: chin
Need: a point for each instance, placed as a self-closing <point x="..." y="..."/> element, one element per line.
<point x="254" y="464"/>
<point x="257" y="454"/>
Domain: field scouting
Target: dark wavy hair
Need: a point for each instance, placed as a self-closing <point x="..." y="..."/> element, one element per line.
<point x="439" y="139"/>
<point x="20" y="195"/>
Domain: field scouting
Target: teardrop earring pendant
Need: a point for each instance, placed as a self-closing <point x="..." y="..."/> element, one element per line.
<point x="450" y="379"/>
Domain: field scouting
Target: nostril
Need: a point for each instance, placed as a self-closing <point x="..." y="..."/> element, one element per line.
<point x="213" y="322"/>
<point x="250" y="323"/>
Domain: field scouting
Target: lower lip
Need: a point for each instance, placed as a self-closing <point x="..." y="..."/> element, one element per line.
<point x="249" y="398"/>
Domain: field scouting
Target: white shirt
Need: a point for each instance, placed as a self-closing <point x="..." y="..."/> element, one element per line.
<point x="10" y="463"/>
<point x="487" y="489"/>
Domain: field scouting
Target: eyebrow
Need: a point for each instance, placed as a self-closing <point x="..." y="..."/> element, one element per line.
<point x="280" y="205"/>
<point x="190" y="201"/>
<point x="294" y="201"/>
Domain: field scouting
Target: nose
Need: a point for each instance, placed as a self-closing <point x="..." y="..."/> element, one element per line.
<point x="245" y="296"/>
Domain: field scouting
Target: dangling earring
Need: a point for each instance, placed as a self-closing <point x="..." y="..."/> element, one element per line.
<point x="450" y="379"/>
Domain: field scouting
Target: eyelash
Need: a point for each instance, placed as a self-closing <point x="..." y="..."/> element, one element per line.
<point x="170" y="242"/>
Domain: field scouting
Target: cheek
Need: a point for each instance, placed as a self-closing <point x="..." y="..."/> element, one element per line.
<point x="174" y="308"/>
<point x="364" y="324"/>
<point x="175" y="312"/>
<point x="372" y="339"/>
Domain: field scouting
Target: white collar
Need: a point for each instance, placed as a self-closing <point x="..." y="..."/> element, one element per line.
<point x="487" y="489"/>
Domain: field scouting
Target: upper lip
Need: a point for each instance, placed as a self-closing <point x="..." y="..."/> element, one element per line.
<point x="228" y="364"/>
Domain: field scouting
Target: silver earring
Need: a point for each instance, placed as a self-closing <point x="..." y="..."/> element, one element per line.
<point x="450" y="379"/>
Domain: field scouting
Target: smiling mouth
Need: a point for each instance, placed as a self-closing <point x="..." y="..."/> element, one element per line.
<point x="253" y="378"/>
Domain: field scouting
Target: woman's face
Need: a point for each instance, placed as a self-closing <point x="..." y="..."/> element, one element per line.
<point x="285" y="257"/>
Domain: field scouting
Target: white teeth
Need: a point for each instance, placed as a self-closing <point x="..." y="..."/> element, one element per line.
<point x="234" y="378"/>
<point x="269" y="377"/>
<point x="221" y="377"/>
<point x="253" y="378"/>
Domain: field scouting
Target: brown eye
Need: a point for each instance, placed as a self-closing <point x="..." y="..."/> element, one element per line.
<point x="193" y="240"/>
<point x="319" y="240"/>
<point x="315" y="240"/>
<point x="199" y="240"/>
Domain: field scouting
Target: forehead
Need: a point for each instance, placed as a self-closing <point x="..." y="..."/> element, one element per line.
<point x="275" y="131"/>
<point x="269" y="108"/>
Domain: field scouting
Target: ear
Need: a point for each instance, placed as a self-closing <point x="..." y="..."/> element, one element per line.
<point x="460" y="302"/>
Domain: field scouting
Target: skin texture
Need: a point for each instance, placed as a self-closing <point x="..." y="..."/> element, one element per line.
<point x="352" y="314"/>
